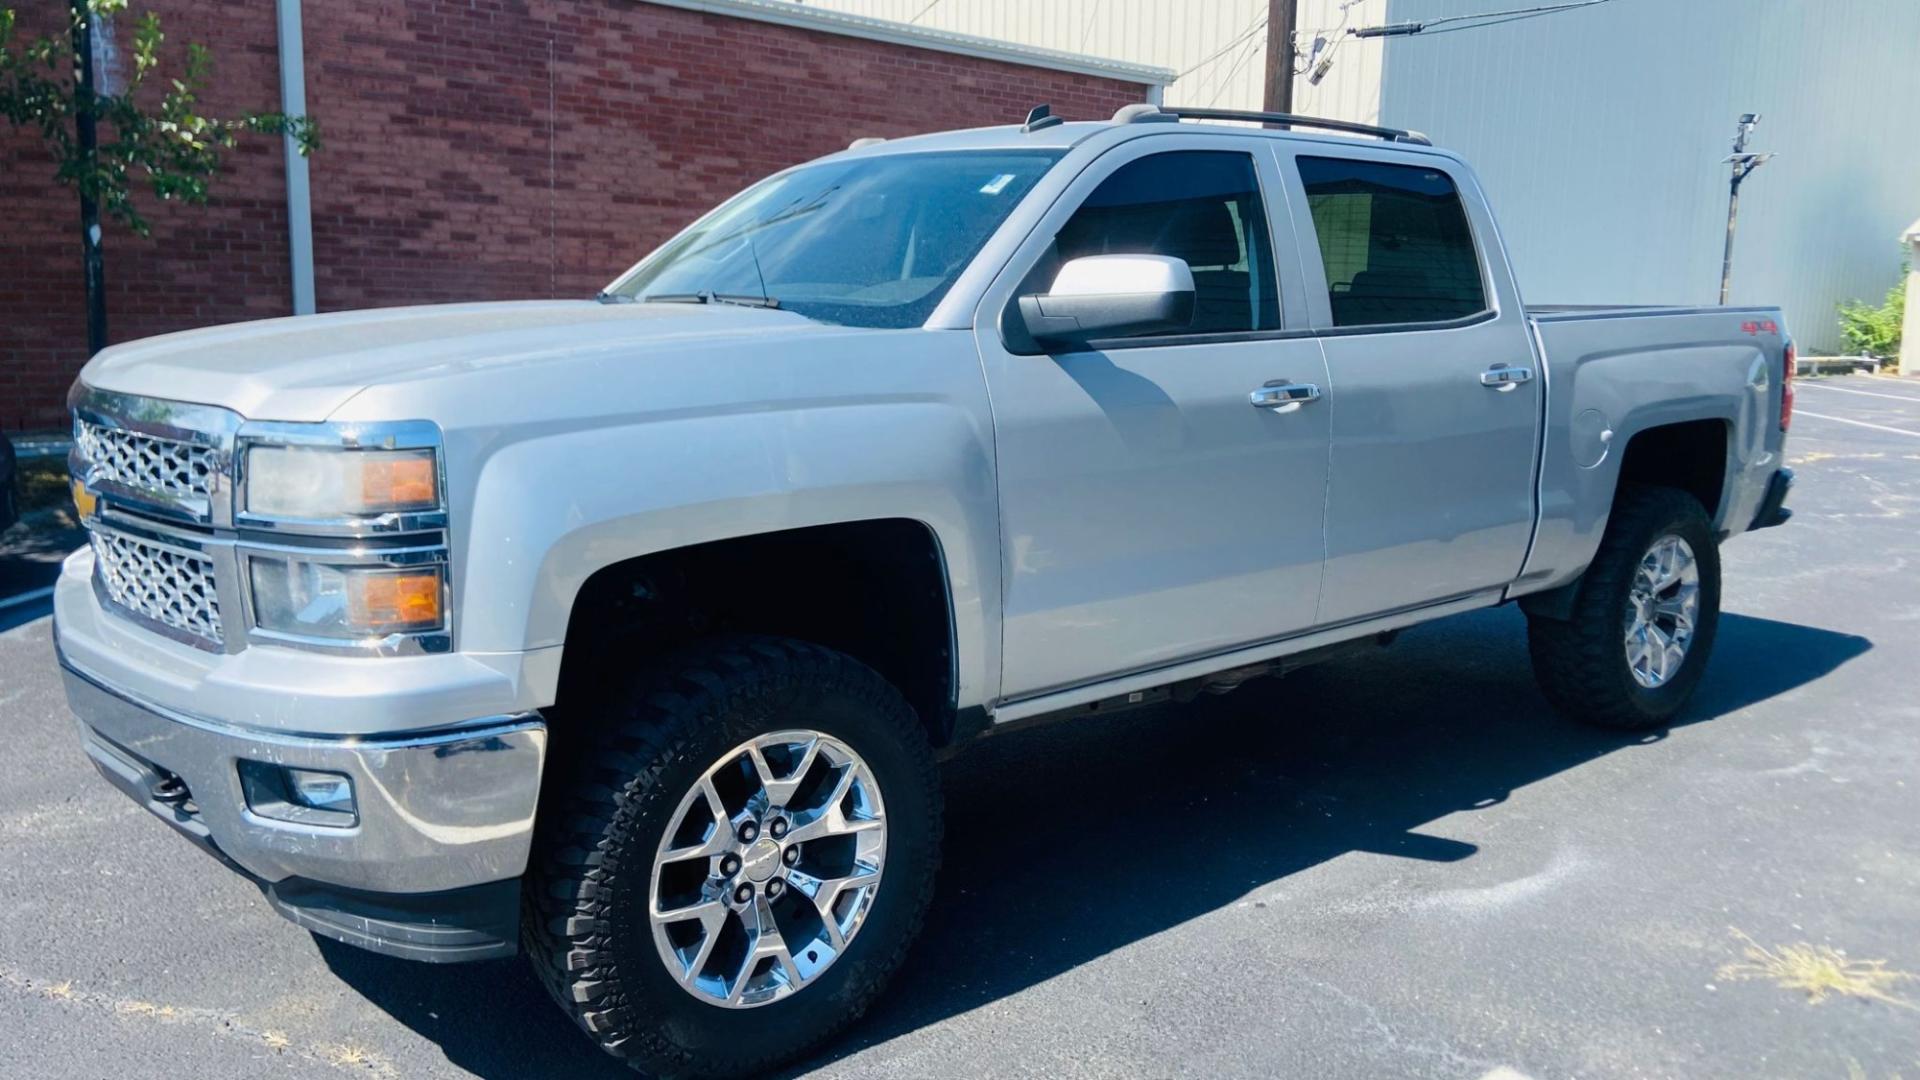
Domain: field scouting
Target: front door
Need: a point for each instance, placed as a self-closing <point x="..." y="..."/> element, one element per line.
<point x="1435" y="401"/>
<point x="1150" y="510"/>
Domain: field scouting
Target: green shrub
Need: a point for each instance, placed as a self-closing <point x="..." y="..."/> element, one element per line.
<point x="1875" y="330"/>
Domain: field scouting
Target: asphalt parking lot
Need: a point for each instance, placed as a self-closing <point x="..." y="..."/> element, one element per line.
<point x="1399" y="865"/>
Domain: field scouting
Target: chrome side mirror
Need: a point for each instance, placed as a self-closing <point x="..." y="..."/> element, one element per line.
<point x="1109" y="296"/>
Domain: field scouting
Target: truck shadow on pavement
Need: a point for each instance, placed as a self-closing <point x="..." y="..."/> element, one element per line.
<point x="1067" y="842"/>
<point x="30" y="558"/>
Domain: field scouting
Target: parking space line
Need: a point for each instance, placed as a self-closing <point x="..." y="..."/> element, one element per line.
<point x="1856" y="423"/>
<point x="1862" y="393"/>
<point x="26" y="597"/>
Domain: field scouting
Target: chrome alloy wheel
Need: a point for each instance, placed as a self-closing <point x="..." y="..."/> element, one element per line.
<point x="1663" y="604"/>
<point x="769" y="868"/>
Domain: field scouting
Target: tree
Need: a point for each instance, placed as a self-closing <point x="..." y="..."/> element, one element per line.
<point x="104" y="144"/>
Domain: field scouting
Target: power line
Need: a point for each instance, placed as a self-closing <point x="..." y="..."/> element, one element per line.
<point x="1086" y="35"/>
<point x="1226" y="80"/>
<point x="1314" y="60"/>
<point x="1475" y="21"/>
<point x="1259" y="24"/>
<point x="1496" y="18"/>
<point x="923" y="11"/>
<point x="1546" y="9"/>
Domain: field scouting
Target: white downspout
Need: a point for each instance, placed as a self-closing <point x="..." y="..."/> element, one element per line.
<point x="293" y="102"/>
<point x="1910" y="328"/>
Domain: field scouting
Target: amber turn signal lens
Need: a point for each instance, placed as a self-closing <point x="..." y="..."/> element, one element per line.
<point x="83" y="500"/>
<point x="395" y="482"/>
<point x="384" y="603"/>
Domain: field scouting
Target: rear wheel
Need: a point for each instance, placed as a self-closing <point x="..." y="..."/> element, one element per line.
<point x="1643" y="621"/>
<point x="733" y="873"/>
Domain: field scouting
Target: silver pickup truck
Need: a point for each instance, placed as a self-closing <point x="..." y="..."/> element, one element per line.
<point x="627" y="631"/>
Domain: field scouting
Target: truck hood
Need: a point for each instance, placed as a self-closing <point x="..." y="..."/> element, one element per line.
<point x="304" y="368"/>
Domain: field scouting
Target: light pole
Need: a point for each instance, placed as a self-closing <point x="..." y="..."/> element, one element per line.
<point x="1743" y="163"/>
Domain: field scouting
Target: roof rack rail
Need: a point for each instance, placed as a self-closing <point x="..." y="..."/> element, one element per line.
<point x="1136" y="114"/>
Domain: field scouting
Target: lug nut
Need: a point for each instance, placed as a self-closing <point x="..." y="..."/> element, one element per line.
<point x="744" y="893"/>
<point x="778" y="828"/>
<point x="775" y="888"/>
<point x="730" y="865"/>
<point x="792" y="856"/>
<point x="749" y="832"/>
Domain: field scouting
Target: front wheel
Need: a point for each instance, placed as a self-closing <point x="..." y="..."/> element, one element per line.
<point x="1643" y="620"/>
<point x="738" y="866"/>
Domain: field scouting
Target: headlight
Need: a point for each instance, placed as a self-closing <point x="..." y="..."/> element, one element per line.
<point x="317" y="484"/>
<point x="314" y="599"/>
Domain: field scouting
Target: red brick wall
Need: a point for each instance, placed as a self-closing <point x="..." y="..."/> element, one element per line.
<point x="474" y="149"/>
<point x="201" y="265"/>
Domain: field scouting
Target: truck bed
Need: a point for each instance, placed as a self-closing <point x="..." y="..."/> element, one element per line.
<point x="1612" y="372"/>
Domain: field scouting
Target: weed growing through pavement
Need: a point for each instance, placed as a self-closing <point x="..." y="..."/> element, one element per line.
<point x="1820" y="970"/>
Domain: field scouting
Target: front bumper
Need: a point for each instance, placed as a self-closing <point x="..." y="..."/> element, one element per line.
<point x="428" y="870"/>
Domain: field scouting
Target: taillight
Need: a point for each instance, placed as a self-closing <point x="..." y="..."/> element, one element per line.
<point x="1786" y="386"/>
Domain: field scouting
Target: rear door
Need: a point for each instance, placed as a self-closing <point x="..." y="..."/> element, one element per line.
<point x="1434" y="399"/>
<point x="1151" y="511"/>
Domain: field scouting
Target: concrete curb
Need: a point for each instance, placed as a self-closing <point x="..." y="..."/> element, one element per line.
<point x="1836" y="365"/>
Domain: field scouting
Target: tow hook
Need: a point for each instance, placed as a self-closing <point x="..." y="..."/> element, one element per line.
<point x="169" y="789"/>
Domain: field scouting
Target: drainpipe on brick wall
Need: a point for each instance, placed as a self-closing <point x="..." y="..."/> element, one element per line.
<point x="293" y="102"/>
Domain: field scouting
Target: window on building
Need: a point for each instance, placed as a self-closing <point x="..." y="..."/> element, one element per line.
<point x="1395" y="242"/>
<point x="1201" y="206"/>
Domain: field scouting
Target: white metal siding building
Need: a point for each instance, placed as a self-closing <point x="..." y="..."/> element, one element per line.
<point x="1599" y="133"/>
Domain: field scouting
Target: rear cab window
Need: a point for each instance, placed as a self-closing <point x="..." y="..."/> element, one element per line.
<point x="1395" y="243"/>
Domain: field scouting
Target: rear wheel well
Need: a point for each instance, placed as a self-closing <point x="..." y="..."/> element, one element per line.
<point x="875" y="590"/>
<point x="1691" y="456"/>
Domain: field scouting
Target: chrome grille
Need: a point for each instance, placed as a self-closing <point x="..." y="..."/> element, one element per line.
<point x="159" y="584"/>
<point x="177" y="469"/>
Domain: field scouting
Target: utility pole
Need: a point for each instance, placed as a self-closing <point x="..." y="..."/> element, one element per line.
<point x="83" y="125"/>
<point x="1280" y="20"/>
<point x="1743" y="164"/>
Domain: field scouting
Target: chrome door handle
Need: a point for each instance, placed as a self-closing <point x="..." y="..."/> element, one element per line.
<point x="1503" y="378"/>
<point x="1284" y="396"/>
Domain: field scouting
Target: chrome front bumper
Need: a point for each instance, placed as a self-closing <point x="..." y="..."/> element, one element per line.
<point x="443" y="816"/>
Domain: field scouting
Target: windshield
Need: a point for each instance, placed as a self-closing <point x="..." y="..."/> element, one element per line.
<point x="873" y="241"/>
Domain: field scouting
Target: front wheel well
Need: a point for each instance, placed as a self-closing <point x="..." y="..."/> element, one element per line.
<point x="875" y="590"/>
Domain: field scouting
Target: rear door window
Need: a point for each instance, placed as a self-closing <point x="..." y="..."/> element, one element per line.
<point x="1395" y="242"/>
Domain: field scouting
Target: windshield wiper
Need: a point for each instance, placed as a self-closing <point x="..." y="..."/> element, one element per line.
<point x="711" y="297"/>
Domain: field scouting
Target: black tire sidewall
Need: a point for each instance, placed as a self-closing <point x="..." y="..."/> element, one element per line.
<point x="1683" y="517"/>
<point x="834" y="696"/>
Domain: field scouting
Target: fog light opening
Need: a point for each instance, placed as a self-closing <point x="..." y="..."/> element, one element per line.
<point x="300" y="796"/>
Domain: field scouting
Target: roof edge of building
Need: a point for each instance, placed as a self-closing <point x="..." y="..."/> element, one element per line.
<point x="788" y="13"/>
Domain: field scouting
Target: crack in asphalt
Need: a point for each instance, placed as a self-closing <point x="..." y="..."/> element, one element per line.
<point x="341" y="1056"/>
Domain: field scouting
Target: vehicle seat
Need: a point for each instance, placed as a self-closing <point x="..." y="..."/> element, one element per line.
<point x="1202" y="232"/>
